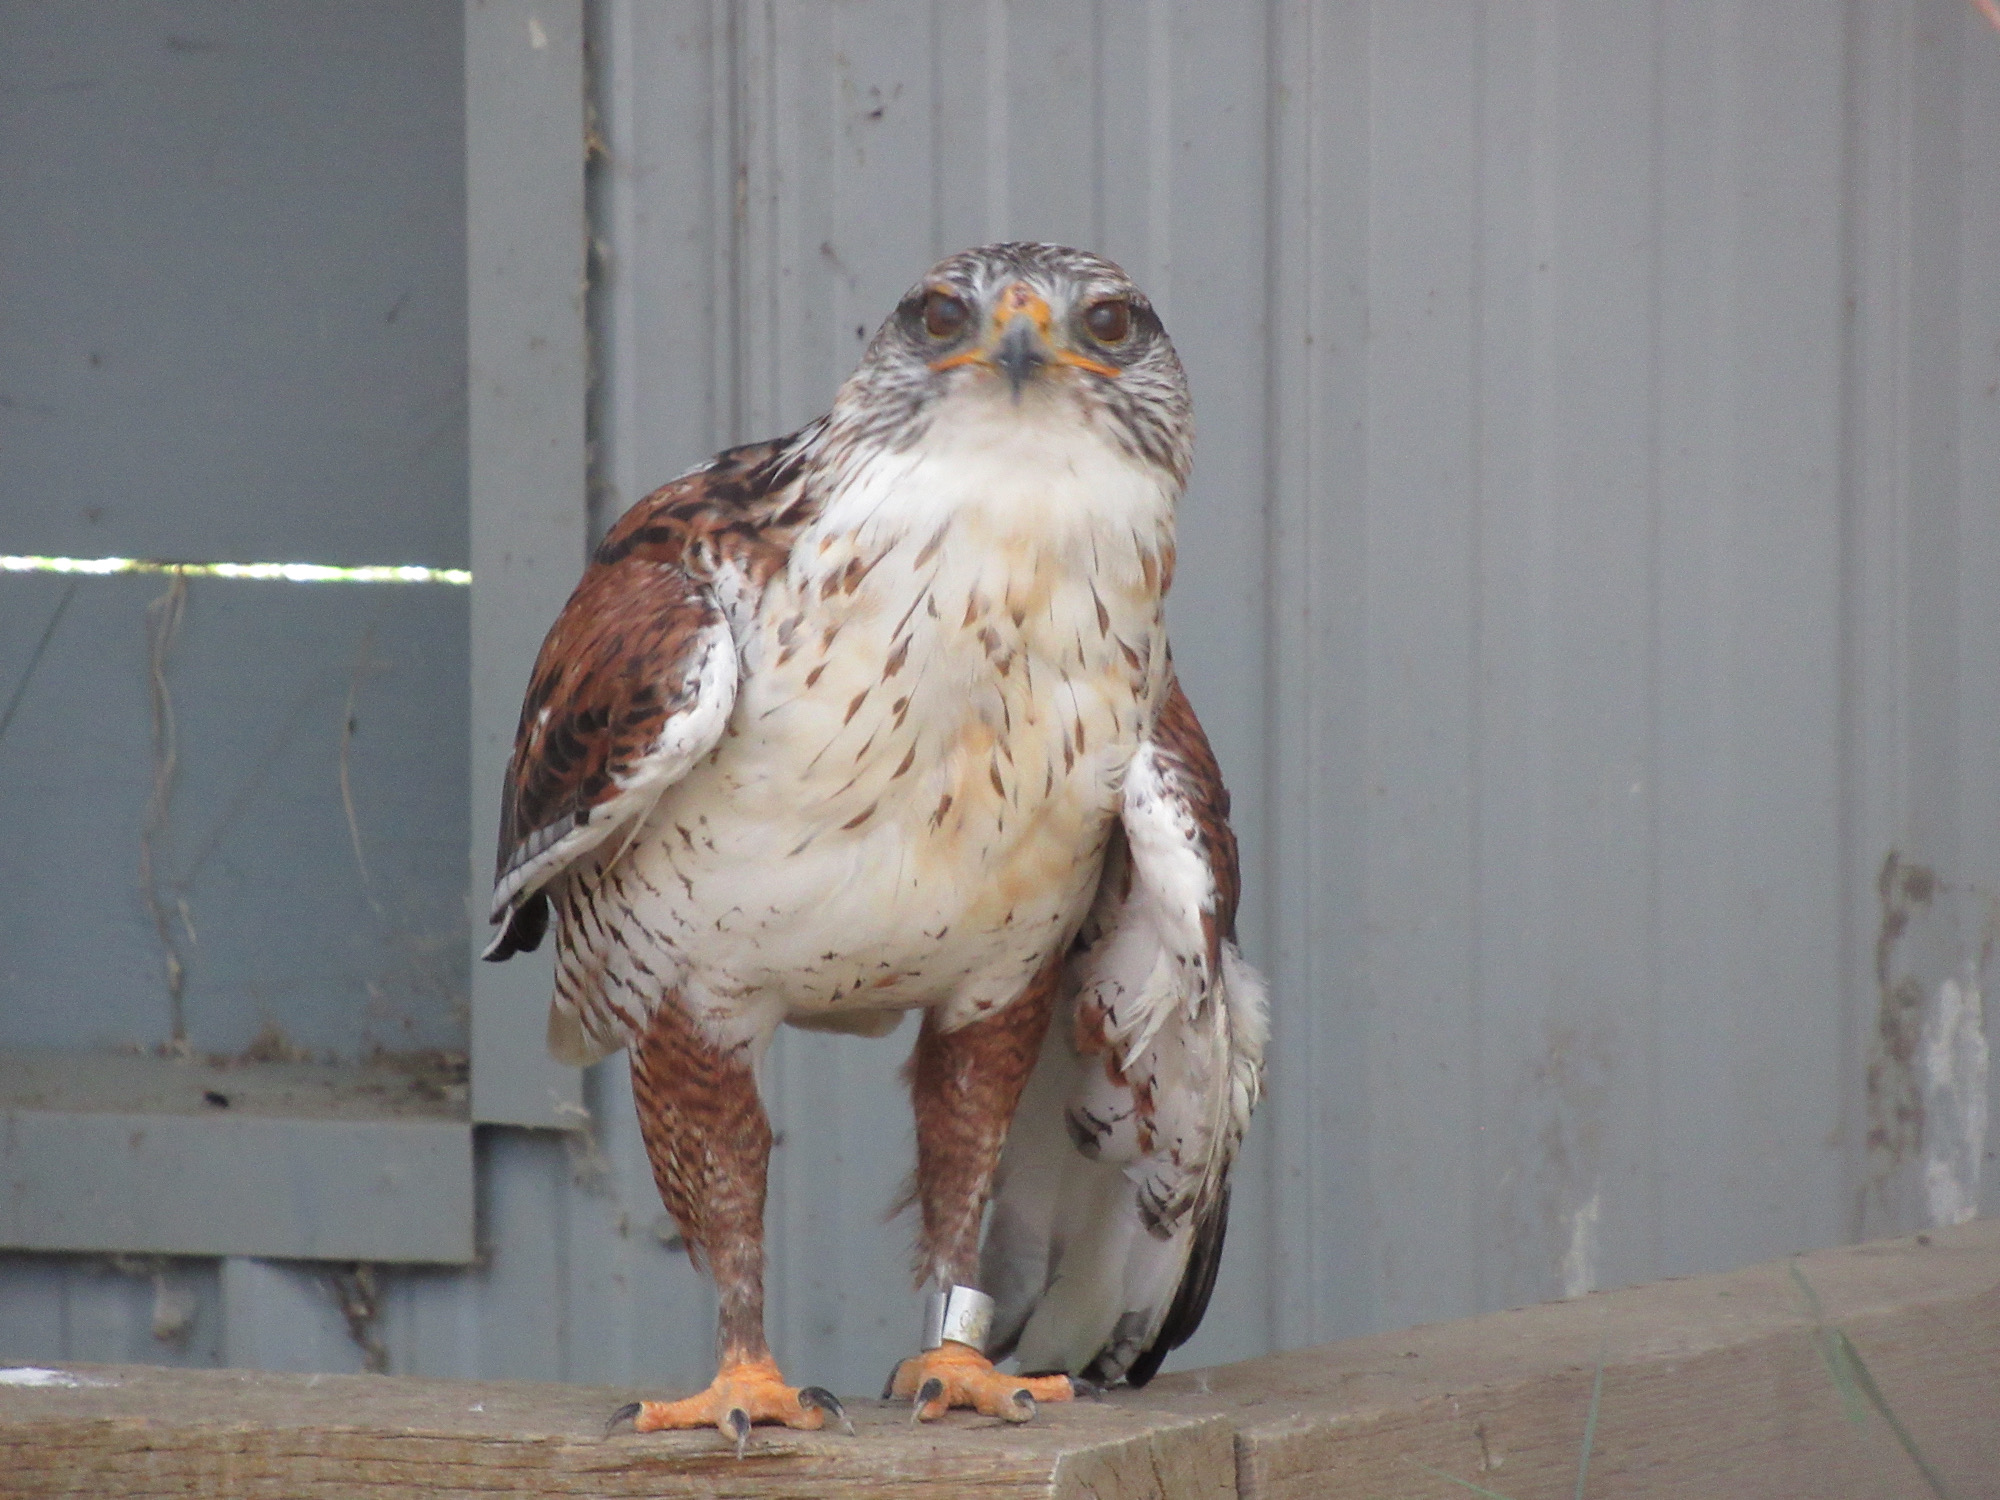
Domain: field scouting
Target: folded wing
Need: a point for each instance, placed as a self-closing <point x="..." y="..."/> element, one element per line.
<point x="634" y="684"/>
<point x="1113" y="1195"/>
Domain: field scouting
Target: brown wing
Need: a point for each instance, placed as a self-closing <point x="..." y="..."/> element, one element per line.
<point x="637" y="677"/>
<point x="633" y="685"/>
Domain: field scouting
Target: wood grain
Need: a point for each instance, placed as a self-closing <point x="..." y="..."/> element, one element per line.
<point x="237" y="1433"/>
<point x="1714" y="1387"/>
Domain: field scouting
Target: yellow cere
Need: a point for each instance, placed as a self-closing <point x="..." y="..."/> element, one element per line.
<point x="291" y="572"/>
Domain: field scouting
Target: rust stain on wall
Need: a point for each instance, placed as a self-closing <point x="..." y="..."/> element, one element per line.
<point x="1895" y="1094"/>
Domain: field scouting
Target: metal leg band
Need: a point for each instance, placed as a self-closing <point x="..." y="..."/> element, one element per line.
<point x="961" y="1314"/>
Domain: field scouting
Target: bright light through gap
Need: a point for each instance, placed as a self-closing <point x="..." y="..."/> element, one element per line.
<point x="102" y="567"/>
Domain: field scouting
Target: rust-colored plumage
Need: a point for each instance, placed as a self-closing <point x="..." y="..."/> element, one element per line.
<point x="710" y="1145"/>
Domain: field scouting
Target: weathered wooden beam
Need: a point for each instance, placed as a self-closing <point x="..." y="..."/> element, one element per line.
<point x="134" y="1432"/>
<point x="1713" y="1387"/>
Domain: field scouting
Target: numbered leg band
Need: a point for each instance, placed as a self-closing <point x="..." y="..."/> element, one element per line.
<point x="962" y="1314"/>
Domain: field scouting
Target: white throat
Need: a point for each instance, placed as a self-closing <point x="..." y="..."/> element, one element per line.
<point x="1031" y="473"/>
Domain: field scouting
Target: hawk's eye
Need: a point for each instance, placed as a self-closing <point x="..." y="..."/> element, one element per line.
<point x="945" y="316"/>
<point x="1109" y="321"/>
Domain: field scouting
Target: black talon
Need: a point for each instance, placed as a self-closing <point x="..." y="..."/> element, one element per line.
<point x="928" y="1392"/>
<point x="739" y="1423"/>
<point x="889" y="1385"/>
<point x="819" y="1396"/>
<point x="1083" y="1389"/>
<point x="624" y="1413"/>
<point x="1024" y="1403"/>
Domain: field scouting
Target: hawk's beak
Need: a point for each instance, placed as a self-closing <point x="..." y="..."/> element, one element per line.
<point x="1019" y="343"/>
<point x="1021" y="351"/>
<point x="1022" y="341"/>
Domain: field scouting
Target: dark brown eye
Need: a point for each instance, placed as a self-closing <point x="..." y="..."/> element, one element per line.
<point x="1109" y="321"/>
<point x="945" y="316"/>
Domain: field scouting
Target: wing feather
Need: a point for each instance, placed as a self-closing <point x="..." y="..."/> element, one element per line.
<point x="1112" y="1200"/>
<point x="634" y="684"/>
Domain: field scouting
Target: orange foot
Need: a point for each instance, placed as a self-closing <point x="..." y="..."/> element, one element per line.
<point x="955" y="1374"/>
<point x="743" y="1392"/>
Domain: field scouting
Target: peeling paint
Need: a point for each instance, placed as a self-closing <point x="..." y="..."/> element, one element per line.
<point x="1955" y="1065"/>
<point x="1895" y="1100"/>
<point x="1579" y="1263"/>
<point x="34" y="1375"/>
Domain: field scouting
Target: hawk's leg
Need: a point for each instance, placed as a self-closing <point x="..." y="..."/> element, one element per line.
<point x="965" y="1084"/>
<point x="710" y="1146"/>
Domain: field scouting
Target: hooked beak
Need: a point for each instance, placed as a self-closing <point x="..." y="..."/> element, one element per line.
<point x="1021" y="352"/>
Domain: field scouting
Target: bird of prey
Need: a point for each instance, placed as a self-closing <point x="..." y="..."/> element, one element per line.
<point x="881" y="716"/>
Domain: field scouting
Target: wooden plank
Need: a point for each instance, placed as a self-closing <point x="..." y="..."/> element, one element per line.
<point x="148" y="1432"/>
<point x="1714" y="1387"/>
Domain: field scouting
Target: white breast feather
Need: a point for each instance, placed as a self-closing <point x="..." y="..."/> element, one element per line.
<point x="939" y="696"/>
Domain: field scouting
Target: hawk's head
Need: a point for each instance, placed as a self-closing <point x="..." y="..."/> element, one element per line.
<point x="1023" y="323"/>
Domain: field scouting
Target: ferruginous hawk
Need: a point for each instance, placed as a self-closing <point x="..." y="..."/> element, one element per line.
<point x="881" y="716"/>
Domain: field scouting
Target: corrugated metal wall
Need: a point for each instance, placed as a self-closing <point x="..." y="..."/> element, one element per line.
<point x="1630" y="487"/>
<point x="1590" y="580"/>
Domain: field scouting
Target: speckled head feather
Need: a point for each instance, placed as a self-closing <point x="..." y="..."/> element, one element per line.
<point x="1130" y="386"/>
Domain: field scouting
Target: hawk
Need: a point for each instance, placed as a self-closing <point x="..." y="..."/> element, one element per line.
<point x="881" y="716"/>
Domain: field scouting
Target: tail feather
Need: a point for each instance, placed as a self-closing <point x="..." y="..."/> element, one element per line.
<point x="1087" y="1273"/>
<point x="1191" y="1300"/>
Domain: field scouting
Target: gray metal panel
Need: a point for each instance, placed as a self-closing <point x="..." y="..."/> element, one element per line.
<point x="295" y="705"/>
<point x="181" y="1184"/>
<point x="231" y="251"/>
<point x="275" y="1316"/>
<point x="1747" y="1036"/>
<point x="524" y="258"/>
<point x="110" y="1310"/>
<point x="233" y="332"/>
<point x="1923" y="760"/>
<point x="1620" y="594"/>
<point x="1316" y="1110"/>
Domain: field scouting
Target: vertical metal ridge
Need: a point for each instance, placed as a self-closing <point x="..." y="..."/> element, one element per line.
<point x="999" y="77"/>
<point x="1160" y="151"/>
<point x="1287" y="614"/>
<point x="1316" y="1109"/>
<point x="1477" y="1223"/>
<point x="1654" y="989"/>
<point x="729" y="212"/>
<point x="1857" y="21"/>
<point x="934" y="59"/>
<point x="525" y="230"/>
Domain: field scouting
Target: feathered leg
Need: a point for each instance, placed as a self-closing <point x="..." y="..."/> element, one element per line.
<point x="710" y="1147"/>
<point x="965" y="1084"/>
